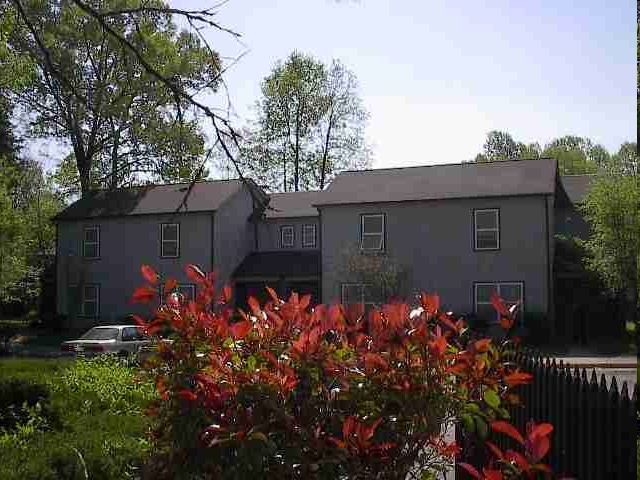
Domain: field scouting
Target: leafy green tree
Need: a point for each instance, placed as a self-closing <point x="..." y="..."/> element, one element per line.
<point x="575" y="155"/>
<point x="612" y="208"/>
<point x="121" y="122"/>
<point x="501" y="146"/>
<point x="310" y="125"/>
<point x="339" y="135"/>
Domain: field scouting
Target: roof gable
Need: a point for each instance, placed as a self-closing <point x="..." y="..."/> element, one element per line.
<point x="576" y="186"/>
<point x="436" y="182"/>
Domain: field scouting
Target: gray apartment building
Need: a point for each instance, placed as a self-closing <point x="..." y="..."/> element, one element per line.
<point x="461" y="230"/>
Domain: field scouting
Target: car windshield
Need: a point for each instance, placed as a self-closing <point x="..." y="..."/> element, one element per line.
<point x="100" y="334"/>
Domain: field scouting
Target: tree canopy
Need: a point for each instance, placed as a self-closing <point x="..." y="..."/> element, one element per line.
<point x="121" y="122"/>
<point x="575" y="155"/>
<point x="27" y="203"/>
<point x="612" y="208"/>
<point x="310" y="126"/>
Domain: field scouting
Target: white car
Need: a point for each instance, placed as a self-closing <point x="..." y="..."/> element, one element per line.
<point x="120" y="339"/>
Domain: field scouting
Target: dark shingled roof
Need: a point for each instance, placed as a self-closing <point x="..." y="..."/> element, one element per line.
<point x="280" y="263"/>
<point x="465" y="180"/>
<point x="576" y="186"/>
<point x="293" y="204"/>
<point x="151" y="199"/>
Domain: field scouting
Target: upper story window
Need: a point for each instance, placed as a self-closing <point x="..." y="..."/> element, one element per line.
<point x="287" y="236"/>
<point x="372" y="232"/>
<point x="309" y="236"/>
<point x="170" y="240"/>
<point x="486" y="227"/>
<point x="91" y="242"/>
<point x="510" y="292"/>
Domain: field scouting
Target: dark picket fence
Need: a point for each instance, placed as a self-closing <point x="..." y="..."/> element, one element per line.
<point x="594" y="423"/>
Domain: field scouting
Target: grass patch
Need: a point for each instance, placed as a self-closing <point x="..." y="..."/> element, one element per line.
<point x="70" y="415"/>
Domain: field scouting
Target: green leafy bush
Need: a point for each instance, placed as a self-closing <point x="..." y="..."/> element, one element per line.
<point x="75" y="418"/>
<point x="109" y="447"/>
<point x="104" y="383"/>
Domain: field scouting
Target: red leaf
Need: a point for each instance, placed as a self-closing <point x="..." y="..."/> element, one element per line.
<point x="539" y="448"/>
<point x="490" y="474"/>
<point x="506" y="323"/>
<point x="373" y="361"/>
<point x="305" y="301"/>
<point x="255" y="307"/>
<point x="495" y="450"/>
<point x="227" y="294"/>
<point x="430" y="303"/>
<point x="483" y="345"/>
<point x="240" y="330"/>
<point x="518" y="378"/>
<point x="347" y="427"/>
<point x="517" y="458"/>
<point x="273" y="295"/>
<point x="149" y="274"/>
<point x="169" y="286"/>
<point x="470" y="470"/>
<point x="144" y="295"/>
<point x="501" y="426"/>
<point x="195" y="274"/>
<point x="367" y="432"/>
<point x="541" y="430"/>
<point x="499" y="305"/>
<point x="187" y="395"/>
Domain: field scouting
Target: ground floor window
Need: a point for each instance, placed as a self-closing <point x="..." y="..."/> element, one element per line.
<point x="357" y="293"/>
<point x="187" y="290"/>
<point x="510" y="292"/>
<point x="85" y="300"/>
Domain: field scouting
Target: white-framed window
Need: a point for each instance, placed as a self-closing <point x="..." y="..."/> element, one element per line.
<point x="510" y="292"/>
<point x="287" y="236"/>
<point x="187" y="290"/>
<point x="170" y="240"/>
<point x="355" y="293"/>
<point x="91" y="242"/>
<point x="85" y="300"/>
<point x="309" y="236"/>
<point x="486" y="229"/>
<point x="372" y="231"/>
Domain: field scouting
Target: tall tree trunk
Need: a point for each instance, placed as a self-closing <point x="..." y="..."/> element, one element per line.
<point x="114" y="158"/>
<point x="284" y="164"/>
<point x="296" y="165"/>
<point x="323" y="171"/>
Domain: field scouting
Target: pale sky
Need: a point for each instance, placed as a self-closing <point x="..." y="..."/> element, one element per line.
<point x="436" y="76"/>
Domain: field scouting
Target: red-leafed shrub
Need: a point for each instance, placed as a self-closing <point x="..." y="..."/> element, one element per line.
<point x="285" y="391"/>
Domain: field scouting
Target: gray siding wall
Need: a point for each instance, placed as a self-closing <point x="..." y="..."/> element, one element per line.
<point x="234" y="234"/>
<point x="126" y="243"/>
<point x="435" y="241"/>
<point x="269" y="233"/>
